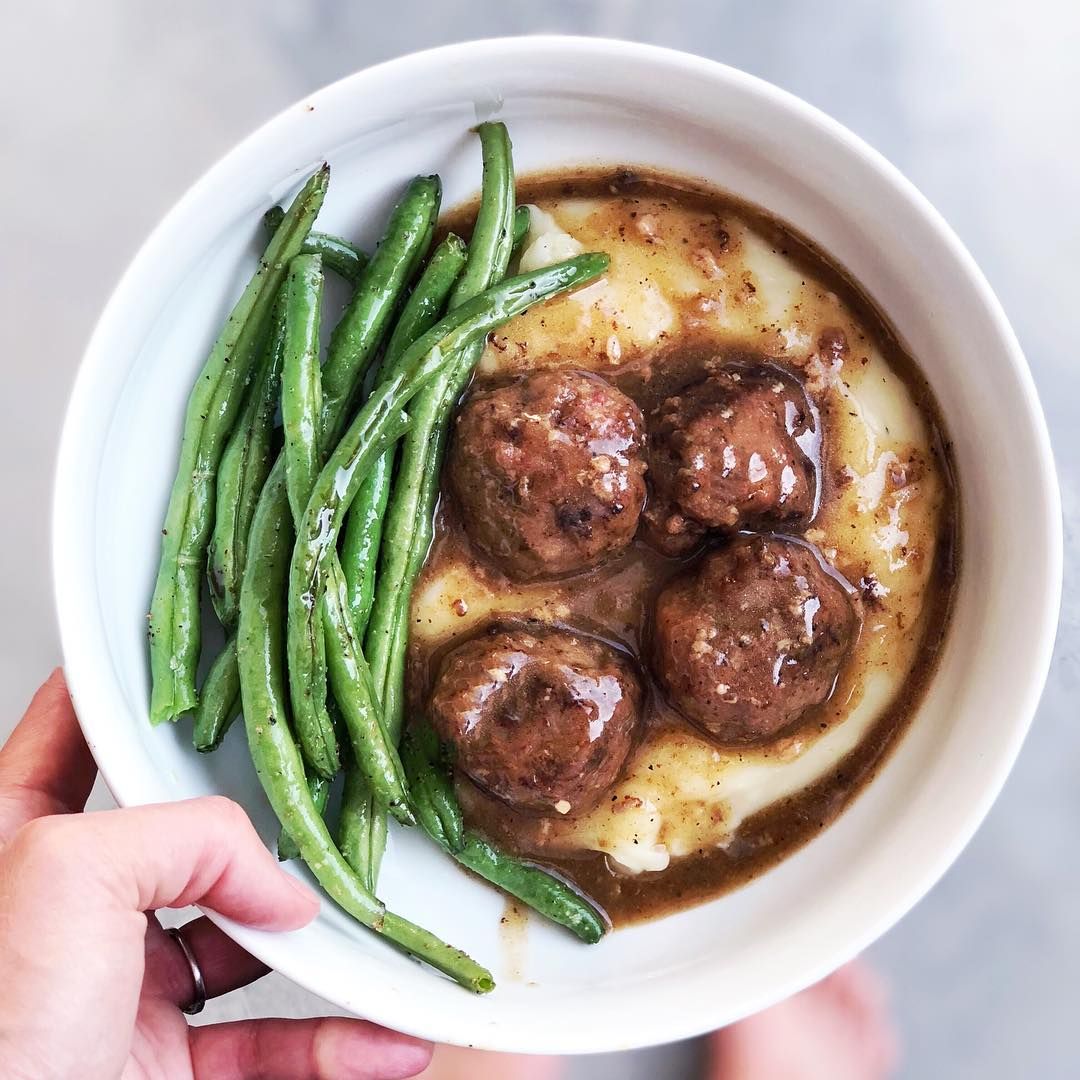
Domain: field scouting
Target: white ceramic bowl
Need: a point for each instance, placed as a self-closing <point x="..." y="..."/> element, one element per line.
<point x="571" y="101"/>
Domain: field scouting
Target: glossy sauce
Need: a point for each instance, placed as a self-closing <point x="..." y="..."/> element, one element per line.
<point x="699" y="279"/>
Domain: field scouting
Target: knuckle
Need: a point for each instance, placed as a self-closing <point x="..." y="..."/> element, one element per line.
<point x="230" y="812"/>
<point x="46" y="841"/>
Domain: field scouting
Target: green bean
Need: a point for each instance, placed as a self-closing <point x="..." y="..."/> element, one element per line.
<point x="301" y="387"/>
<point x="359" y="333"/>
<point x="362" y="537"/>
<point x="345" y="259"/>
<point x="375" y="755"/>
<point x="363" y="525"/>
<point x="493" y="233"/>
<point x="245" y="464"/>
<point x="433" y="792"/>
<point x="353" y="832"/>
<point x="439" y="813"/>
<point x="347" y="466"/>
<point x="175" y="631"/>
<point x="522" y="218"/>
<point x="403" y="245"/>
<point x="261" y="649"/>
<point x="408" y="519"/>
<point x="427" y="300"/>
<point x="540" y="890"/>
<point x="362" y="534"/>
<point x="352" y="346"/>
<point x="301" y="407"/>
<point x="319" y="789"/>
<point x="219" y="701"/>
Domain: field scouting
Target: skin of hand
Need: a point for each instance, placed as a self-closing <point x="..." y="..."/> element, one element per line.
<point x="92" y="986"/>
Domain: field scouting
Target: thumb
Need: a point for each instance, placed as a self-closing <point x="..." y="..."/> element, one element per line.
<point x="72" y="892"/>
<point x="201" y="851"/>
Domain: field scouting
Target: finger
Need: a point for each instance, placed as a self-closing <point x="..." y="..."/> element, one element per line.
<point x="45" y="767"/>
<point x="224" y="964"/>
<point x="331" y="1048"/>
<point x="199" y="851"/>
<point x="73" y="889"/>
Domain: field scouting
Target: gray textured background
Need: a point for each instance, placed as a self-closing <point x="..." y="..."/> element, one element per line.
<point x="109" y="110"/>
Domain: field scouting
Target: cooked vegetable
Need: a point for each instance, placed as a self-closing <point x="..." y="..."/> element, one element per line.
<point x="287" y="848"/>
<point x="352" y="345"/>
<point x="360" y="332"/>
<point x="244" y="467"/>
<point x="301" y="383"/>
<point x="438" y="811"/>
<point x="363" y="535"/>
<point x="345" y="259"/>
<point x="219" y="701"/>
<point x="301" y="398"/>
<point x="403" y="245"/>
<point x="261" y="649"/>
<point x="521" y="227"/>
<point x="215" y="401"/>
<point x="411" y="508"/>
<point x="363" y="525"/>
<point x="317" y="532"/>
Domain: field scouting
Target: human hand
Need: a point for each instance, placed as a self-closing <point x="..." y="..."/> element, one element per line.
<point x="92" y="985"/>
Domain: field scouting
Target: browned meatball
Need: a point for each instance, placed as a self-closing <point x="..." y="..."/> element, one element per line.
<point x="542" y="719"/>
<point x="734" y="451"/>
<point x="751" y="637"/>
<point x="549" y="472"/>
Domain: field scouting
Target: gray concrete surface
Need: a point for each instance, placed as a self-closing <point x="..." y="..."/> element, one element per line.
<point x="109" y="110"/>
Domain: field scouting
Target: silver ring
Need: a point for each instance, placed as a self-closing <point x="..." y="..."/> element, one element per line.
<point x="199" y="999"/>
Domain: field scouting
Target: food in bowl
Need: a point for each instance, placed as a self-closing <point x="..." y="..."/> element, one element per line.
<point x="697" y="440"/>
<point x="789" y="581"/>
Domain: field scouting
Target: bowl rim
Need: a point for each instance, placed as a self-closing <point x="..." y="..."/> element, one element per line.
<point x="83" y="654"/>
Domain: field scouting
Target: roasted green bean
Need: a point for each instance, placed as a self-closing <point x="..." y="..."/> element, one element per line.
<point x="319" y="788"/>
<point x="363" y="526"/>
<point x="439" y="813"/>
<point x="345" y="259"/>
<point x="346" y="467"/>
<point x="360" y="332"/>
<point x="352" y="345"/>
<point x="301" y="406"/>
<point x="522" y="217"/>
<point x="245" y="465"/>
<point x="175" y="632"/>
<point x="301" y="383"/>
<point x="261" y="648"/>
<point x="543" y="892"/>
<point x="219" y="701"/>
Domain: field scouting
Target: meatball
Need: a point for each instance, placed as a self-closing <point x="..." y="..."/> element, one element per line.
<point x="732" y="452"/>
<point x="549" y="472"/>
<point x="752" y="636"/>
<point x="542" y="719"/>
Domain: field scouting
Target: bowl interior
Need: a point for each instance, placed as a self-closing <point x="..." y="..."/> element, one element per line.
<point x="574" y="102"/>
